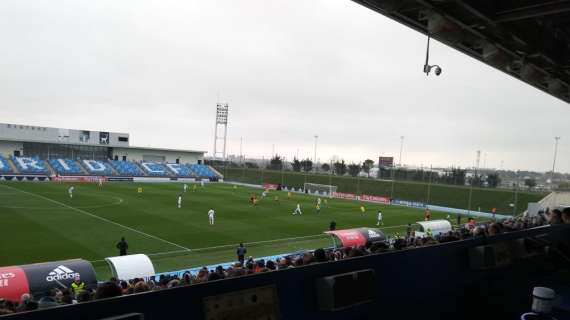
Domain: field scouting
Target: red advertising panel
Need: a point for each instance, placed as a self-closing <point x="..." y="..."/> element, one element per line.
<point x="343" y="195"/>
<point x="349" y="237"/>
<point x="13" y="283"/>
<point x="378" y="199"/>
<point x="270" y="186"/>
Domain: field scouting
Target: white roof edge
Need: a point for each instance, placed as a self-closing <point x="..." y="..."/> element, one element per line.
<point x="98" y="145"/>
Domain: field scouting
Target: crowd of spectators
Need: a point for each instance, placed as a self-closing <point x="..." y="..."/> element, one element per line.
<point x="114" y="287"/>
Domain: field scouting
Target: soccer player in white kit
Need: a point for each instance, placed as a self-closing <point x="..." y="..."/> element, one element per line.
<point x="70" y="191"/>
<point x="380" y="222"/>
<point x="100" y="182"/>
<point x="179" y="201"/>
<point x="185" y="187"/>
<point x="211" y="216"/>
<point x="298" y="209"/>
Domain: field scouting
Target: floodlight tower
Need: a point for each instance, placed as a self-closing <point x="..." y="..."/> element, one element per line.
<point x="221" y="124"/>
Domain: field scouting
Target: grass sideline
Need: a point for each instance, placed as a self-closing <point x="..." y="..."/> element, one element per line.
<point x="41" y="223"/>
<point x="440" y="194"/>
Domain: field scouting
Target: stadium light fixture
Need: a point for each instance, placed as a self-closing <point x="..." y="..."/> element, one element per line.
<point x="427" y="66"/>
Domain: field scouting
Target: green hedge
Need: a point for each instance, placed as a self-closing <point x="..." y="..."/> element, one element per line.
<point x="442" y="195"/>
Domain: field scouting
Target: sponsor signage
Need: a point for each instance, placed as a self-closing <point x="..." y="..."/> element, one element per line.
<point x="151" y="179"/>
<point x="342" y="195"/>
<point x="13" y="283"/>
<point x="119" y="178"/>
<point x="271" y="186"/>
<point x="378" y="199"/>
<point x="59" y="274"/>
<point x="78" y="178"/>
<point x="358" y="236"/>
<point x="385" y="161"/>
<point x="407" y="203"/>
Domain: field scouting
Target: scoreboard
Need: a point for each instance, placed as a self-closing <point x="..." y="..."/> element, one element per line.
<point x="385" y="161"/>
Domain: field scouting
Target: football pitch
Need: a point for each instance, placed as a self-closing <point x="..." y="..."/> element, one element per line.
<point x="40" y="222"/>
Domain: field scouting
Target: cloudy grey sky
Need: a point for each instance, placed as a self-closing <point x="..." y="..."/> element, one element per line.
<point x="290" y="69"/>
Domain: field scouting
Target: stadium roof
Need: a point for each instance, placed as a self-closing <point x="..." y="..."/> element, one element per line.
<point x="527" y="39"/>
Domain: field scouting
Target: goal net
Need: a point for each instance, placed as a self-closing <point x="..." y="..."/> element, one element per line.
<point x="321" y="189"/>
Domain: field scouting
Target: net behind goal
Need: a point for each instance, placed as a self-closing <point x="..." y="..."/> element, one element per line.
<point x="322" y="189"/>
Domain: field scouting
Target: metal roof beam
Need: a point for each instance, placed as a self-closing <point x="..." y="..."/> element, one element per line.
<point x="545" y="9"/>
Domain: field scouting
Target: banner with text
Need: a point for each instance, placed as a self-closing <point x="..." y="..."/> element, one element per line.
<point x="78" y="178"/>
<point x="377" y="199"/>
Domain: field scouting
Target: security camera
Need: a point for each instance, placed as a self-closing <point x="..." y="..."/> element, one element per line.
<point x="427" y="66"/>
<point x="437" y="70"/>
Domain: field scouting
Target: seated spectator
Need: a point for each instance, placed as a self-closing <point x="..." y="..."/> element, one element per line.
<point x="566" y="215"/>
<point x="141" y="286"/>
<point x="84" y="296"/>
<point x="108" y="290"/>
<point x="47" y="302"/>
<point x="27" y="303"/>
<point x="555" y="217"/>
<point x="320" y="255"/>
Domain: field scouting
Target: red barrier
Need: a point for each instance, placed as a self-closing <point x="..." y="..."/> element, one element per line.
<point x="271" y="186"/>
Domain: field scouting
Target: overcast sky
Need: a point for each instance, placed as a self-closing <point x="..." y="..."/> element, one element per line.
<point x="289" y="69"/>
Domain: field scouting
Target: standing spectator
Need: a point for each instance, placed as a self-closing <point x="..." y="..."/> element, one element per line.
<point x="427" y="215"/>
<point x="122" y="246"/>
<point x="241" y="251"/>
<point x="409" y="231"/>
<point x="78" y="286"/>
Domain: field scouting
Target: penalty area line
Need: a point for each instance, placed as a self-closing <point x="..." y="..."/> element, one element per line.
<point x="101" y="218"/>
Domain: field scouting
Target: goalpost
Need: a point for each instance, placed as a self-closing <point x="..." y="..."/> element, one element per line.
<point x="322" y="189"/>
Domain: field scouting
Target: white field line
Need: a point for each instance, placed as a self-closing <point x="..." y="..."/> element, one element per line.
<point x="245" y="243"/>
<point x="101" y="218"/>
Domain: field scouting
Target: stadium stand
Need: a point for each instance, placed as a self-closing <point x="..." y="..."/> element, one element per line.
<point x="30" y="165"/>
<point x="126" y="168"/>
<point x="180" y="170"/>
<point x="5" y="166"/>
<point x="443" y="273"/>
<point x="155" y="169"/>
<point x="97" y="167"/>
<point x="65" y="166"/>
<point x="202" y="170"/>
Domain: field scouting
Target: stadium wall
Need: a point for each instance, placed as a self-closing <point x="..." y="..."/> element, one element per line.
<point x="434" y="282"/>
<point x="134" y="154"/>
<point x="7" y="148"/>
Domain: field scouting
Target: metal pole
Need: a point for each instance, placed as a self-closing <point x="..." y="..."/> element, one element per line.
<point x="429" y="185"/>
<point x="240" y="150"/>
<point x="330" y="179"/>
<point x="401" y="148"/>
<point x="315" y="158"/>
<point x="282" y="171"/>
<point x="554" y="160"/>
<point x="393" y="178"/>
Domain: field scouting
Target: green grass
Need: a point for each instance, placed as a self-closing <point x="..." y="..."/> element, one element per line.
<point x="41" y="223"/>
<point x="442" y="195"/>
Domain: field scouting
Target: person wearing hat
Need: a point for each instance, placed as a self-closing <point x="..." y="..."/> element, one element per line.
<point x="78" y="286"/>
